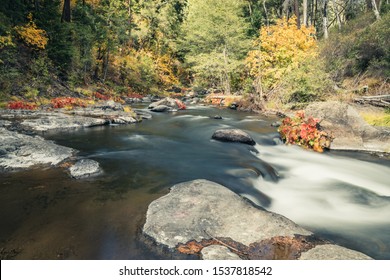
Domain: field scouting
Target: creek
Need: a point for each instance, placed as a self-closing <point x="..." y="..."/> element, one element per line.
<point x="342" y="196"/>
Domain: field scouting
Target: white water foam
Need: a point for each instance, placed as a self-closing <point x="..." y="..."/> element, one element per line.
<point x="323" y="191"/>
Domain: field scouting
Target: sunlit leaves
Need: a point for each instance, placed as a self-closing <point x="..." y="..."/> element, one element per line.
<point x="31" y="35"/>
<point x="279" y="50"/>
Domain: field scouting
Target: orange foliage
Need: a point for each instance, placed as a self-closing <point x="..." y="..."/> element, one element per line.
<point x="31" y="35"/>
<point x="280" y="48"/>
<point x="67" y="102"/>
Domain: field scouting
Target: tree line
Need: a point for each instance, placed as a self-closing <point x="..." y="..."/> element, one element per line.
<point x="145" y="46"/>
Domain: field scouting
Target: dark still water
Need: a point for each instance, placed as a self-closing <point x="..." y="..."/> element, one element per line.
<point x="46" y="215"/>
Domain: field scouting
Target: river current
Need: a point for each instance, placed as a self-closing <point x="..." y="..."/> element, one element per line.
<point x="342" y="196"/>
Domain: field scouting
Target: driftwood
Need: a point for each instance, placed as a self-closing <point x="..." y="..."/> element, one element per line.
<point x="377" y="100"/>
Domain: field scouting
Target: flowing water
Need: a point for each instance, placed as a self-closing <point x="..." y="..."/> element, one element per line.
<point x="46" y="215"/>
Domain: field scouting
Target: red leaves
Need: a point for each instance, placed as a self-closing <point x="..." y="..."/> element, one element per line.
<point x="101" y="96"/>
<point x="21" y="105"/>
<point x="61" y="102"/>
<point x="180" y="104"/>
<point x="303" y="132"/>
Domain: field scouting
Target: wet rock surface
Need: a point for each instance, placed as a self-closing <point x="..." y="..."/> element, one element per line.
<point x="85" y="168"/>
<point x="233" y="135"/>
<point x="349" y="129"/>
<point x="23" y="151"/>
<point x="201" y="213"/>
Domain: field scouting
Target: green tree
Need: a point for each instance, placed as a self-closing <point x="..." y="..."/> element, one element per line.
<point x="215" y="41"/>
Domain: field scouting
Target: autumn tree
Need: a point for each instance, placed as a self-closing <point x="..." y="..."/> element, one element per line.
<point x="281" y="51"/>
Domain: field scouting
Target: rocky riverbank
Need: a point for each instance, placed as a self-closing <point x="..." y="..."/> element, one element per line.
<point x="349" y="130"/>
<point x="22" y="145"/>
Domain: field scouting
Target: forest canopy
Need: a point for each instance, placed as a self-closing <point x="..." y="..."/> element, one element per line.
<point x="273" y="51"/>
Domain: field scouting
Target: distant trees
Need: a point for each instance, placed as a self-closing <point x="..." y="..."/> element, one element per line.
<point x="215" y="41"/>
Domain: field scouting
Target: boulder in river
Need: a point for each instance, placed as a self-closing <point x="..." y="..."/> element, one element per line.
<point x="201" y="213"/>
<point x="171" y="104"/>
<point x="85" y="168"/>
<point x="161" y="108"/>
<point x="24" y="151"/>
<point x="349" y="130"/>
<point x="233" y="135"/>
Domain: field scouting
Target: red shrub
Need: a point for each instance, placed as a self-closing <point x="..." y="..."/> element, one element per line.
<point x="61" y="102"/>
<point x="21" y="105"/>
<point x="180" y="104"/>
<point x="101" y="96"/>
<point x="304" y="132"/>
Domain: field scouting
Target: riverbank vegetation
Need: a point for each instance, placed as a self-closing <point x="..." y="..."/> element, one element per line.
<point x="275" y="54"/>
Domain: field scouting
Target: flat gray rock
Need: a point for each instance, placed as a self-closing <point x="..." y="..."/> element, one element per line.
<point x="233" y="135"/>
<point x="23" y="151"/>
<point x="349" y="129"/>
<point x="217" y="252"/>
<point x="332" y="252"/>
<point x="199" y="209"/>
<point x="85" y="168"/>
<point x="53" y="121"/>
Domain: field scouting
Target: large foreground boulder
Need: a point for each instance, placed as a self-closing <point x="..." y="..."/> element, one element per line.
<point x="23" y="151"/>
<point x="349" y="129"/>
<point x="200" y="214"/>
<point x="233" y="135"/>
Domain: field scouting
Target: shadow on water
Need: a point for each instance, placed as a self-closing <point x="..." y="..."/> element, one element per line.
<point x="47" y="215"/>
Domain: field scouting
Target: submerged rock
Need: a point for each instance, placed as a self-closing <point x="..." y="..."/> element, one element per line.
<point x="233" y="135"/>
<point x="200" y="211"/>
<point x="23" y="151"/>
<point x="349" y="129"/>
<point x="85" y="168"/>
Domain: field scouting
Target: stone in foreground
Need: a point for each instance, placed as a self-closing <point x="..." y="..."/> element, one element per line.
<point x="332" y="252"/>
<point x="233" y="135"/>
<point x="217" y="252"/>
<point x="85" y="168"/>
<point x="23" y="151"/>
<point x="200" y="210"/>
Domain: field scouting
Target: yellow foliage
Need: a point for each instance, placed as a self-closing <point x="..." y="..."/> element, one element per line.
<point x="32" y="35"/>
<point x="164" y="67"/>
<point x="279" y="49"/>
<point x="6" y="41"/>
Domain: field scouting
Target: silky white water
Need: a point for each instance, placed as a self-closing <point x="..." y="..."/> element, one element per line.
<point x="320" y="190"/>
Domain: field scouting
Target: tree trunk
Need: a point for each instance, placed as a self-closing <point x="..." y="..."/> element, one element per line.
<point x="325" y="19"/>
<point x="304" y="12"/>
<point x="227" y="80"/>
<point x="266" y="13"/>
<point x="66" y="11"/>
<point x="296" y="11"/>
<point x="286" y="7"/>
<point x="315" y="9"/>
<point x="336" y="10"/>
<point x="375" y="9"/>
